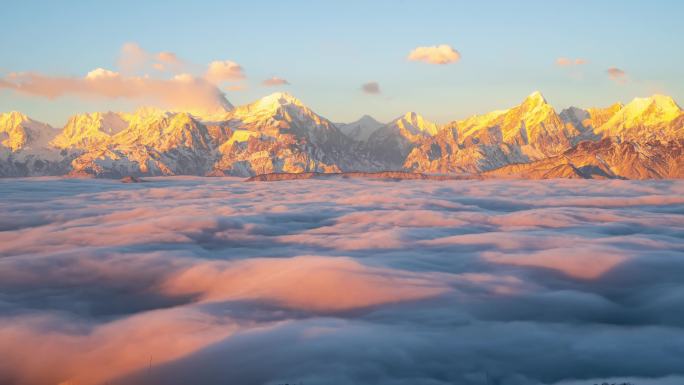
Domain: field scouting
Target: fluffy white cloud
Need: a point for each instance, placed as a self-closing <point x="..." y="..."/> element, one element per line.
<point x="439" y="54"/>
<point x="101" y="73"/>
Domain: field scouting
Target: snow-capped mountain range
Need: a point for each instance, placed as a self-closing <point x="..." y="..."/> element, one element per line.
<point x="278" y="133"/>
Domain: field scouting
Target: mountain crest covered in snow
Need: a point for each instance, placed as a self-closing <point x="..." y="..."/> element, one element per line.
<point x="279" y="133"/>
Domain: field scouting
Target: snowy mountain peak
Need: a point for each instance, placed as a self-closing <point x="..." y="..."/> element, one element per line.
<point x="415" y="124"/>
<point x="657" y="117"/>
<point x="652" y="109"/>
<point x="18" y="132"/>
<point x="277" y="99"/>
<point x="535" y="99"/>
<point x="90" y="129"/>
<point x="664" y="105"/>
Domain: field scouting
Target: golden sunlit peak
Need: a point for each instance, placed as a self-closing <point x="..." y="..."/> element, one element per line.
<point x="14" y="116"/>
<point x="411" y="115"/>
<point x="664" y="101"/>
<point x="536" y="96"/>
<point x="281" y="98"/>
<point x="275" y="101"/>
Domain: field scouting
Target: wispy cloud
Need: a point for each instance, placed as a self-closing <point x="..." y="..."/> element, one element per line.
<point x="371" y="88"/>
<point x="566" y="62"/>
<point x="439" y="54"/>
<point x="168" y="61"/>
<point x="617" y="75"/>
<point x="275" y="81"/>
<point x="133" y="59"/>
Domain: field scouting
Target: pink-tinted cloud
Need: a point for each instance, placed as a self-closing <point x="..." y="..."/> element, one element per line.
<point x="173" y="280"/>
<point x="168" y="61"/>
<point x="439" y="54"/>
<point x="617" y="75"/>
<point x="275" y="81"/>
<point x="44" y="355"/>
<point x="565" y="62"/>
<point x="307" y="283"/>
<point x="578" y="262"/>
<point x="133" y="59"/>
<point x="372" y="88"/>
<point x="181" y="92"/>
<point x="224" y="71"/>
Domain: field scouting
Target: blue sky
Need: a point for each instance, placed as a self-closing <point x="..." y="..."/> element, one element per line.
<point x="328" y="49"/>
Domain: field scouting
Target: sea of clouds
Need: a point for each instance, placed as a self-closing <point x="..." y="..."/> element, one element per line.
<point x="216" y="280"/>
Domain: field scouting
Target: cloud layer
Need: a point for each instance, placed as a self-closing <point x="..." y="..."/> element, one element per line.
<point x="438" y="54"/>
<point x="199" y="280"/>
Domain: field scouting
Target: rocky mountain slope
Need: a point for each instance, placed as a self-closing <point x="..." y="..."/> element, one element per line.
<point x="280" y="134"/>
<point x="606" y="158"/>
<point x="390" y="144"/>
<point x="524" y="133"/>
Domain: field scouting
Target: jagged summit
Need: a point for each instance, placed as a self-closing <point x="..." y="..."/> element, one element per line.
<point x="20" y="132"/>
<point x="13" y="117"/>
<point x="415" y="124"/>
<point x="535" y="97"/>
<point x="90" y="129"/>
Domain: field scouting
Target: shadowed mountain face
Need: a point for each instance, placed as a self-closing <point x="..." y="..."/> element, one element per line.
<point x="279" y="133"/>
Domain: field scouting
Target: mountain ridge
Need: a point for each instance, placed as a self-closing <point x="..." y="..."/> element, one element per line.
<point x="279" y="133"/>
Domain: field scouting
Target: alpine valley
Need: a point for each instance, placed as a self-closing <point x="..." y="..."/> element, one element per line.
<point x="643" y="139"/>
